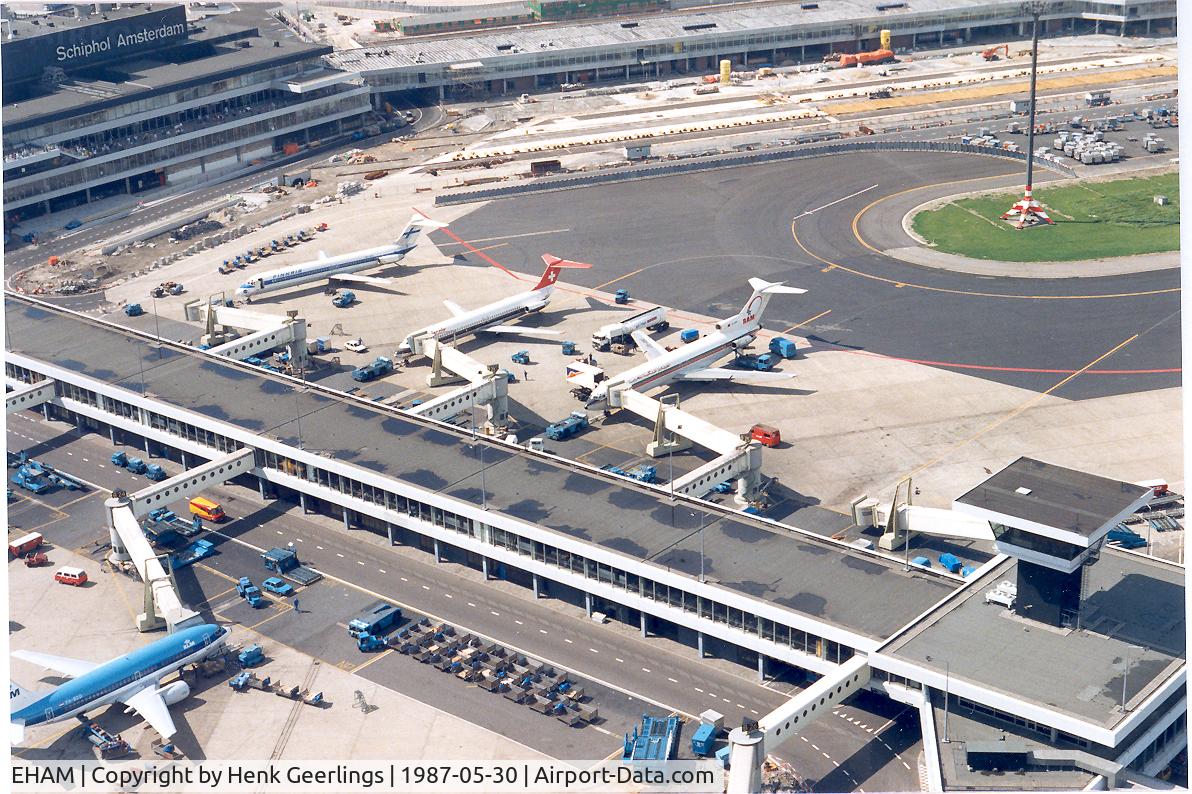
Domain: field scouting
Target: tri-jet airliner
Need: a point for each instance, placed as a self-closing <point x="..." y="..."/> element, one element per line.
<point x="133" y="679"/>
<point x="690" y="362"/>
<point x="342" y="267"/>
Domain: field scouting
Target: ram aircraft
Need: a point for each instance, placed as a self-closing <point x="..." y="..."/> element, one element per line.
<point x="690" y="362"/>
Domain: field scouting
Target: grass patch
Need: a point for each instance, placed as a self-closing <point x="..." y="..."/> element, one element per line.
<point x="1116" y="218"/>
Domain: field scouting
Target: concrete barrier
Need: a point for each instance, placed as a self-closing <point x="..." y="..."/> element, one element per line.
<point x="734" y="160"/>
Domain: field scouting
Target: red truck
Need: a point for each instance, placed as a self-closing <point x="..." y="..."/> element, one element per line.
<point x="21" y="546"/>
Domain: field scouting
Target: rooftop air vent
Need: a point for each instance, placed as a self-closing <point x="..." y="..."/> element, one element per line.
<point x="504" y="47"/>
<point x="629" y="24"/>
<point x="700" y="26"/>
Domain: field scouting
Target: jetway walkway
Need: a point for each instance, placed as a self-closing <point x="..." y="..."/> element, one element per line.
<point x="749" y="742"/>
<point x="254" y="332"/>
<point x="163" y="607"/>
<point x="676" y="430"/>
<point x="27" y="395"/>
<point x="485" y="386"/>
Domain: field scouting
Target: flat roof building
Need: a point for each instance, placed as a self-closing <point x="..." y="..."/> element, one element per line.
<point x="98" y="104"/>
<point x="999" y="690"/>
<point x="656" y="46"/>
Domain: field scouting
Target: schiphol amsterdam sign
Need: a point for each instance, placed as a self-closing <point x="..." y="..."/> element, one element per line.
<point x="120" y="40"/>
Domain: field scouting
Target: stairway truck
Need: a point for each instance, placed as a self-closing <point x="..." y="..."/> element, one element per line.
<point x="621" y="332"/>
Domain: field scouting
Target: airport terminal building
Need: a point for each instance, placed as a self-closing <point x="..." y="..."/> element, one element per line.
<point x="98" y="103"/>
<point x="661" y="46"/>
<point x="1081" y="678"/>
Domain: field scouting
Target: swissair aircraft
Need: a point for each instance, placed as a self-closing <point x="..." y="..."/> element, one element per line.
<point x="342" y="267"/>
<point x="489" y="318"/>
<point x="133" y="679"/>
<point x="691" y="362"/>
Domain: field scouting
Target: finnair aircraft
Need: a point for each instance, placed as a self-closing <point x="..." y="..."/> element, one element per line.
<point x="690" y="362"/>
<point x="133" y="679"/>
<point x="342" y="267"/>
<point x="489" y="318"/>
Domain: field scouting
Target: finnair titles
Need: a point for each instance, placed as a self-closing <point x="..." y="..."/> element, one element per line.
<point x="340" y="267"/>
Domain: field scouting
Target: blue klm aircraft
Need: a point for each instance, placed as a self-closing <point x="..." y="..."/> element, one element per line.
<point x="133" y="679"/>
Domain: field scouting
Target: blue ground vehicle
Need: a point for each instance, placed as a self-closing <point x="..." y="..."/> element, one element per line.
<point x="277" y="586"/>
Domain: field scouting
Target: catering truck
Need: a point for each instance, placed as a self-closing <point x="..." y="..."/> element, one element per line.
<point x="619" y="333"/>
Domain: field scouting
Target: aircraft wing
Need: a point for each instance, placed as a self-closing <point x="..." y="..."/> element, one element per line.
<point x="651" y="348"/>
<point x="518" y="329"/>
<point x="150" y="705"/>
<point x="718" y="373"/>
<point x="356" y="278"/>
<point x="71" y="668"/>
<point x="455" y="309"/>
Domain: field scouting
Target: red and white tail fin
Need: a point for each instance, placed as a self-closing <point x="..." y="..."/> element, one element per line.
<point x="553" y="265"/>
<point x="750" y="315"/>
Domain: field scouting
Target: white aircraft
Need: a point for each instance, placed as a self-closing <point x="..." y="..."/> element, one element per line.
<point x="489" y="318"/>
<point x="342" y="267"/>
<point x="691" y="362"/>
<point x="133" y="679"/>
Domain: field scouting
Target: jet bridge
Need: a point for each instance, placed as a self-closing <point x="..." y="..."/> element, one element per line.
<point x="239" y="333"/>
<point x="676" y="430"/>
<point x="749" y="742"/>
<point x="27" y="395"/>
<point x="163" y="607"/>
<point x="485" y="385"/>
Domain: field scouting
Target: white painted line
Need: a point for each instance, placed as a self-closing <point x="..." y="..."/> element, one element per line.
<point x="469" y="603"/>
<point x="673" y="681"/>
<point x="697" y="689"/>
<point x="359" y="563"/>
<point x="740" y="706"/>
<point x="712" y="695"/>
<point x="726" y="700"/>
<point x="569" y="642"/>
<point x="645" y="669"/>
<point x="448" y="595"/>
<point x="337" y="554"/>
<point x="619" y="659"/>
<point x="542" y="631"/>
<point x="830" y="203"/>
<point x="300" y="540"/>
<point x="825" y="755"/>
<point x="904" y="763"/>
<point x="814" y="747"/>
<point x="518" y="622"/>
<point x="753" y="711"/>
<point x="101" y="465"/>
<point x="382" y="570"/>
<point x="86" y="461"/>
<point x="494" y="614"/>
<point x="593" y="650"/>
<point x="424" y="587"/>
<point x="278" y="531"/>
<point x="70" y="453"/>
<point x="804" y="738"/>
<point x="320" y="548"/>
<point x="404" y="579"/>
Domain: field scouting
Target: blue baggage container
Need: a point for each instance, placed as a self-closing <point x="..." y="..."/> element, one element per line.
<point x="951" y="563"/>
<point x="703" y="739"/>
<point x="921" y="561"/>
<point x="688" y="335"/>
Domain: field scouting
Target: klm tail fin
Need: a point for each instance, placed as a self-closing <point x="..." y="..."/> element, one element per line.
<point x="18" y="698"/>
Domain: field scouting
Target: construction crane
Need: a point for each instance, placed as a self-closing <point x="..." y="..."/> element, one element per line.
<point x="991" y="53"/>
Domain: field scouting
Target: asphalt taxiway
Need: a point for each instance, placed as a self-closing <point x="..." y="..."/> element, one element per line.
<point x="691" y="241"/>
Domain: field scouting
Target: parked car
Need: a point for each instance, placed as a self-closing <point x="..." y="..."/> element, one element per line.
<point x="278" y="587"/>
<point x="356" y="345"/>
